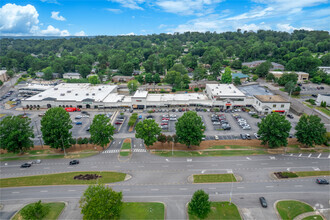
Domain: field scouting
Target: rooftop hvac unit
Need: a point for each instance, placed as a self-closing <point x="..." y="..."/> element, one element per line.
<point x="76" y="94"/>
<point x="40" y="95"/>
<point x="87" y="94"/>
<point x="69" y="91"/>
<point x="234" y="91"/>
<point x="100" y="89"/>
<point x="93" y="94"/>
<point x="62" y="94"/>
<point x="55" y="88"/>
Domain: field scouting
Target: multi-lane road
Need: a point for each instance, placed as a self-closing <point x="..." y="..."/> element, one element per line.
<point x="166" y="180"/>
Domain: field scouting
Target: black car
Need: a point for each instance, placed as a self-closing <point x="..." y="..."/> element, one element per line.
<point x="290" y="116"/>
<point x="85" y="113"/>
<point x="322" y="181"/>
<point x="315" y="96"/>
<point x="74" y="162"/>
<point x="150" y="116"/>
<point x="263" y="202"/>
<point x="25" y="165"/>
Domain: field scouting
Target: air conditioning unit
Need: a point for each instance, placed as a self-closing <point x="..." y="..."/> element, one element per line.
<point x="62" y="94"/>
<point x="93" y="94"/>
<point x="87" y="94"/>
<point x="76" y="94"/>
<point x="55" y="88"/>
<point x="69" y="91"/>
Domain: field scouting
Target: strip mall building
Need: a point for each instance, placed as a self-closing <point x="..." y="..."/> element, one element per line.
<point x="86" y="96"/>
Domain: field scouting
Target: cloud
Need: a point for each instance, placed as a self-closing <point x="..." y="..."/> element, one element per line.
<point x="52" y="31"/>
<point x="18" y="19"/>
<point x="80" y="33"/>
<point x="289" y="28"/>
<point x="56" y="17"/>
<point x="254" y="27"/>
<point x="50" y="1"/>
<point x="162" y="26"/>
<point x="257" y="13"/>
<point x="114" y="10"/>
<point x="132" y="4"/>
<point x="188" y="7"/>
<point x="291" y="4"/>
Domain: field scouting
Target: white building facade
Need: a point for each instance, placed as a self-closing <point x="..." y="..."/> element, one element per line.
<point x="265" y="104"/>
<point x="323" y="98"/>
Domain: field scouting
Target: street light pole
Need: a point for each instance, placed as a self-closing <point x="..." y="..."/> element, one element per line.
<point x="232" y="185"/>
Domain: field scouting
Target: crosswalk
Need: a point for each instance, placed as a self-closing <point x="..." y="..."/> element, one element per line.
<point x="310" y="155"/>
<point x="118" y="150"/>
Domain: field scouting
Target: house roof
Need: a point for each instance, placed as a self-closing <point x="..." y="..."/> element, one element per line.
<point x="239" y="75"/>
<point x="72" y="74"/>
<point x="271" y="98"/>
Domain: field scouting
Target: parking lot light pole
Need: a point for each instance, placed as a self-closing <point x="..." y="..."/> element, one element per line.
<point x="232" y="185"/>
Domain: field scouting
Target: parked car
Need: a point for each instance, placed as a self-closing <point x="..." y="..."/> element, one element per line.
<point x="290" y="116"/>
<point x="84" y="112"/>
<point x="263" y="202"/>
<point x="165" y="119"/>
<point x="150" y="116"/>
<point x="78" y="117"/>
<point x="88" y="128"/>
<point x="226" y="127"/>
<point x="78" y="123"/>
<point x="140" y="117"/>
<point x="74" y="162"/>
<point x="41" y="114"/>
<point x="248" y="136"/>
<point x="216" y="137"/>
<point x="118" y="122"/>
<point x="243" y="136"/>
<point x="164" y="123"/>
<point x="246" y="128"/>
<point x="216" y="123"/>
<point x="315" y="96"/>
<point x="26" y="165"/>
<point x="322" y="181"/>
<point x="172" y="119"/>
<point x="256" y="136"/>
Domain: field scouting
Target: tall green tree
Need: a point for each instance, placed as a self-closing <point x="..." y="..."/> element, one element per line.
<point x="226" y="76"/>
<point x="16" y="134"/>
<point x="178" y="67"/>
<point x="263" y="69"/>
<point x="274" y="130"/>
<point x="55" y="128"/>
<point x="236" y="64"/>
<point x="36" y="211"/>
<point x="101" y="202"/>
<point x="101" y="130"/>
<point x="289" y="87"/>
<point x="190" y="129"/>
<point x="48" y="73"/>
<point x="310" y="130"/>
<point x="287" y="77"/>
<point x="237" y="81"/>
<point x="148" y="130"/>
<point x="148" y="78"/>
<point x="156" y="78"/>
<point x="93" y="80"/>
<point x="132" y="86"/>
<point x="126" y="69"/>
<point x="199" y="205"/>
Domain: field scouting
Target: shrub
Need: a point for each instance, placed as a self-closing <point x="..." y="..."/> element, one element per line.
<point x="196" y="89"/>
<point x="173" y="90"/>
<point x="288" y="175"/>
<point x="312" y="101"/>
<point x="150" y="111"/>
<point x="35" y="211"/>
<point x="132" y="119"/>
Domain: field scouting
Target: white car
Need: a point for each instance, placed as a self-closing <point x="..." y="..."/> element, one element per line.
<point x="85" y="116"/>
<point x="78" y="117"/>
<point x="216" y="137"/>
<point x="173" y="116"/>
<point x="216" y="123"/>
<point x="246" y="128"/>
<point x="165" y="116"/>
<point x="172" y="119"/>
<point x="256" y="135"/>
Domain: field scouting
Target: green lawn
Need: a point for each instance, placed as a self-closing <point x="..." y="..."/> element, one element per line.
<point x="324" y="110"/>
<point x="61" y="179"/>
<point x="313" y="173"/>
<point x="221" y="210"/>
<point x="290" y="209"/>
<point x="214" y="178"/>
<point x="143" y="210"/>
<point x="125" y="146"/>
<point x="210" y="153"/>
<point x="313" y="217"/>
<point x="234" y="147"/>
<point x="34" y="155"/>
<point x="55" y="209"/>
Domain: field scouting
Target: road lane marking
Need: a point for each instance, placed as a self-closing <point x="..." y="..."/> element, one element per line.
<point x="272" y="158"/>
<point x="297" y="185"/>
<point x="71" y="190"/>
<point x="165" y="166"/>
<point x="239" y="164"/>
<point x="154" y="189"/>
<point x="214" y="165"/>
<point x="189" y="160"/>
<point x="248" y="158"/>
<point x="315" y="162"/>
<point x="15" y="192"/>
<point x="299" y="155"/>
<point x="269" y="186"/>
<point x="316" y="168"/>
<point x="141" y="166"/>
<point x="319" y="156"/>
<point x="44" y="191"/>
<point x="94" y="166"/>
<point x="212" y="188"/>
<point x="309" y="155"/>
<point x="240" y="187"/>
<point x="288" y="163"/>
<point x="46" y="168"/>
<point x="183" y="189"/>
<point x="264" y="163"/>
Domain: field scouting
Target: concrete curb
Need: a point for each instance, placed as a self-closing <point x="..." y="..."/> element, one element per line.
<point x="127" y="177"/>
<point x="278" y="214"/>
<point x="307" y="214"/>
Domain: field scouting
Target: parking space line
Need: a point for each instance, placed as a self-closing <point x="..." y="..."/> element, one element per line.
<point x="269" y="186"/>
<point x="319" y="156"/>
<point x="183" y="189"/>
<point x="309" y="155"/>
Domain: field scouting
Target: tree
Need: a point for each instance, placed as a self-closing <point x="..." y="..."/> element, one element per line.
<point x="237" y="81"/>
<point x="93" y="80"/>
<point x="101" y="130"/>
<point x="263" y="69"/>
<point x="226" y="76"/>
<point x="216" y="68"/>
<point x="126" y="69"/>
<point x="255" y="77"/>
<point x="132" y="86"/>
<point x="310" y="130"/>
<point x="270" y="77"/>
<point x="289" y="87"/>
<point x="199" y="204"/>
<point x="326" y="59"/>
<point x="245" y="70"/>
<point x="286" y="77"/>
<point x="200" y="73"/>
<point x="236" y="64"/>
<point x="84" y="70"/>
<point x="48" y="73"/>
<point x="101" y="202"/>
<point x="196" y="89"/>
<point x="35" y="211"/>
<point x="274" y="130"/>
<point x="169" y="139"/>
<point x="171" y="76"/>
<point x="140" y="79"/>
<point x="178" y="67"/>
<point x="156" y="78"/>
<point x="16" y="134"/>
<point x="148" y="130"/>
<point x="55" y="128"/>
<point x="190" y="129"/>
<point x="161" y="138"/>
<point x="148" y="78"/>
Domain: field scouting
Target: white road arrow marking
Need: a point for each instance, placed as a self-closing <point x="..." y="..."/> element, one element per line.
<point x="299" y="155"/>
<point x="288" y="169"/>
<point x="316" y="168"/>
<point x="167" y="160"/>
<point x="272" y="158"/>
<point x="189" y="160"/>
<point x="248" y="158"/>
<point x="203" y="171"/>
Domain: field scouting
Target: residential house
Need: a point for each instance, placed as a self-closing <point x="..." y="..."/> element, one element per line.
<point x="3" y="75"/>
<point x="125" y="79"/>
<point x="40" y="74"/>
<point x="241" y="76"/>
<point x="156" y="88"/>
<point x="200" y="84"/>
<point x="71" y="76"/>
<point x="325" y="69"/>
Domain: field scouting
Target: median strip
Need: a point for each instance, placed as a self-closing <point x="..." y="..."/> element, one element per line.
<point x="214" y="178"/>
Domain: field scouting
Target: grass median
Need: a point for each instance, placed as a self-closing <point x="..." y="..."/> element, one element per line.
<point x="313" y="217"/>
<point x="55" y="209"/>
<point x="303" y="174"/>
<point x="290" y="209"/>
<point x="62" y="179"/>
<point x="208" y="153"/>
<point x="221" y="210"/>
<point x="142" y="210"/>
<point x="125" y="149"/>
<point x="214" y="178"/>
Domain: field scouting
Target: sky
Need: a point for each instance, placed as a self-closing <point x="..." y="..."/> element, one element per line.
<point x="142" y="17"/>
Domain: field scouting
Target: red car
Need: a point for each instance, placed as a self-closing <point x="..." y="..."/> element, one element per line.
<point x="165" y="119"/>
<point x="118" y="122"/>
<point x="163" y="124"/>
